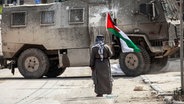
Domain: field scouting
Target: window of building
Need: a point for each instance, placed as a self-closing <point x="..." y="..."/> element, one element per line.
<point x="76" y="15"/>
<point x="18" y="19"/>
<point x="47" y="17"/>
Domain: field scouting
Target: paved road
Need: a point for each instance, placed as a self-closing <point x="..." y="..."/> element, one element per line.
<point x="71" y="89"/>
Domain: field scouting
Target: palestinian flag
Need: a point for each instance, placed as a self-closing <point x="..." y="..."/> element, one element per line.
<point x="126" y="44"/>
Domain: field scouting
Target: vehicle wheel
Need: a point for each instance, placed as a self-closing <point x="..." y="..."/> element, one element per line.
<point x="147" y="60"/>
<point x="33" y="63"/>
<point x="131" y="64"/>
<point x="134" y="64"/>
<point x="158" y="63"/>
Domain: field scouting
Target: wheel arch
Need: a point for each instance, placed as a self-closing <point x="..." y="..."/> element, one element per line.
<point x="138" y="39"/>
<point x="142" y="41"/>
<point x="24" y="47"/>
<point x="27" y="46"/>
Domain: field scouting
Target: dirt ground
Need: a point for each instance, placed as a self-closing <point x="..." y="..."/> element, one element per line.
<point x="123" y="92"/>
<point x="75" y="86"/>
<point x="124" y="89"/>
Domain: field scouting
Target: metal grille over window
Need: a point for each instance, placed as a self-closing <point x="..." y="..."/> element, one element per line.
<point x="76" y="16"/>
<point x="47" y="17"/>
<point x="18" y="19"/>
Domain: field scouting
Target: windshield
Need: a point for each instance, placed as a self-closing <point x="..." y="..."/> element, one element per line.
<point x="170" y="8"/>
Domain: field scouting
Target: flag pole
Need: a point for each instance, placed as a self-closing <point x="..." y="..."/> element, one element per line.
<point x="181" y="45"/>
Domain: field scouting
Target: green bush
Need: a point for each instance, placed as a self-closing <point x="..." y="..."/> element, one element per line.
<point x="1" y="8"/>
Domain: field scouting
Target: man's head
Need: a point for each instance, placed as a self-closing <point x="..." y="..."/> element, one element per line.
<point x="100" y="39"/>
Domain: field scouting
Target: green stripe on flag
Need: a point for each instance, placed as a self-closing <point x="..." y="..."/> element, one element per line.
<point x="128" y="42"/>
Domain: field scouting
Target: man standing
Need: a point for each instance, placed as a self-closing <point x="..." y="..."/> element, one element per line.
<point x="100" y="66"/>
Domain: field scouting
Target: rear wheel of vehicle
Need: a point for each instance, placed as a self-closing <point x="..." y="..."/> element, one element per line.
<point x="54" y="71"/>
<point x="33" y="63"/>
<point x="134" y="64"/>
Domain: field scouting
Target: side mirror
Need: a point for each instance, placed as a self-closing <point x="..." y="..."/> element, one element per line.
<point x="149" y="10"/>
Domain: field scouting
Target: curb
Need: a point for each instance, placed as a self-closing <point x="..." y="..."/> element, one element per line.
<point x="155" y="87"/>
<point x="167" y="97"/>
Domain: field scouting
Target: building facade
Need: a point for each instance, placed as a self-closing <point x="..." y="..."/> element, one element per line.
<point x="25" y="1"/>
<point x="42" y="1"/>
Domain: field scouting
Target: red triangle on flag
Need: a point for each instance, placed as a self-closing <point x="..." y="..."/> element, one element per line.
<point x="109" y="22"/>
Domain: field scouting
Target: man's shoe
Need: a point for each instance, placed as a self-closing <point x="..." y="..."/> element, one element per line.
<point x="99" y="95"/>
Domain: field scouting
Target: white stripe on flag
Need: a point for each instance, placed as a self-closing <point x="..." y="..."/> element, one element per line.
<point x="124" y="47"/>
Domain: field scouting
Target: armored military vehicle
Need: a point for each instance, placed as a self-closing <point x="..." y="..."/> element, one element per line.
<point x="44" y="39"/>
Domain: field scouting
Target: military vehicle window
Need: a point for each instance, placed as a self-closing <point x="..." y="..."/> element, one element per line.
<point x="149" y="10"/>
<point x="18" y="19"/>
<point x="76" y="16"/>
<point x="47" y="17"/>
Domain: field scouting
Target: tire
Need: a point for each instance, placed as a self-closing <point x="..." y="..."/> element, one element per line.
<point x="158" y="63"/>
<point x="33" y="63"/>
<point x="147" y="60"/>
<point x="134" y="64"/>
